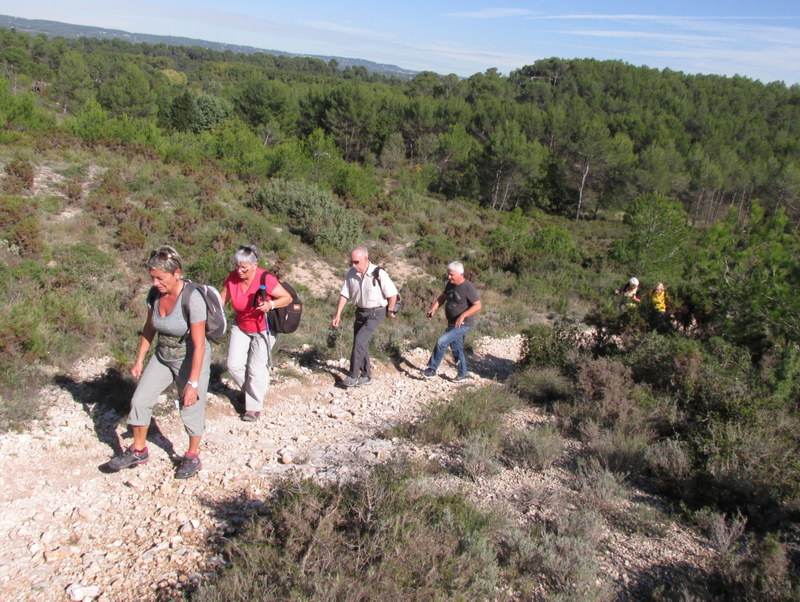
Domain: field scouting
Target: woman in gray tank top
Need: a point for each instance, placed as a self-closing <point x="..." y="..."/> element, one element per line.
<point x="182" y="355"/>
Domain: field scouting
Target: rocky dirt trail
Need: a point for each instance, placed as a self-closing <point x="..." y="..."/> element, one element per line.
<point x="72" y="532"/>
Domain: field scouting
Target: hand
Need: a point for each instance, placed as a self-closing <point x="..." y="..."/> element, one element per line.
<point x="335" y="322"/>
<point x="459" y="322"/>
<point x="429" y="315"/>
<point x="189" y="396"/>
<point x="136" y="370"/>
<point x="266" y="306"/>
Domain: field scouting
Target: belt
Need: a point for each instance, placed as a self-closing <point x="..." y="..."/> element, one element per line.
<point x="370" y="308"/>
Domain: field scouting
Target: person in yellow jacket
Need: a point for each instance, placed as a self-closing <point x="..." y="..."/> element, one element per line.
<point x="658" y="297"/>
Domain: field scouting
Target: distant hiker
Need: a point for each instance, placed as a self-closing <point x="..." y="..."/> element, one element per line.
<point x="182" y="355"/>
<point x="629" y="293"/>
<point x="658" y="297"/>
<point x="461" y="304"/>
<point x="251" y="342"/>
<point x="374" y="294"/>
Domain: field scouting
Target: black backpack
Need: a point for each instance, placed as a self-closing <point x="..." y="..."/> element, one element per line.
<point x="283" y="320"/>
<point x="376" y="276"/>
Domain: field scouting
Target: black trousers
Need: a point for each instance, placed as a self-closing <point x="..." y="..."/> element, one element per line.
<point x="367" y="322"/>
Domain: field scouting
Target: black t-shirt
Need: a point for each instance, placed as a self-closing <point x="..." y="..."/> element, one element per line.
<point x="459" y="298"/>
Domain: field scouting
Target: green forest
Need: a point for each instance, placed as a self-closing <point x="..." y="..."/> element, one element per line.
<point x="553" y="184"/>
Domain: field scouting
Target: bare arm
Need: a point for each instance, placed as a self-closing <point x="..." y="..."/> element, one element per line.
<point x="148" y="332"/>
<point x="390" y="307"/>
<point x="436" y="305"/>
<point x="197" y="330"/>
<point x="280" y="298"/>
<point x="339" y="308"/>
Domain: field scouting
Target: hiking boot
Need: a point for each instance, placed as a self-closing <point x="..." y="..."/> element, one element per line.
<point x="350" y="382"/>
<point x="364" y="380"/>
<point x="130" y="458"/>
<point x="250" y="416"/>
<point x="461" y="378"/>
<point x="189" y="467"/>
<point x="428" y="373"/>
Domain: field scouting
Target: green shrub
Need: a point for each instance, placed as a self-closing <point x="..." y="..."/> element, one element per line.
<point x="605" y="393"/>
<point x="374" y="538"/>
<point x="470" y="411"/>
<point x="669" y="462"/>
<point x="601" y="488"/>
<point x="479" y="455"/>
<point x="540" y="386"/>
<point x="313" y="213"/>
<point x="562" y="563"/>
<point x="620" y="449"/>
<point x="750" y="463"/>
<point x="666" y="363"/>
<point x="553" y="346"/>
<point x="536" y="448"/>
<point x="434" y="249"/>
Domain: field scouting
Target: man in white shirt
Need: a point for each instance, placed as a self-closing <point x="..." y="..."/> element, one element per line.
<point x="374" y="295"/>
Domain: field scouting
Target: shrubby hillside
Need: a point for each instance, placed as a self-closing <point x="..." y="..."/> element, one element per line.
<point x="554" y="185"/>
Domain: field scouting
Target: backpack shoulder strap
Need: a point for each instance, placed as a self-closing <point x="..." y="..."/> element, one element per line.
<point x="152" y="295"/>
<point x="188" y="289"/>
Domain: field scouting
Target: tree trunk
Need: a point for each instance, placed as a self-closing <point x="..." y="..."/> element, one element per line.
<point x="580" y="191"/>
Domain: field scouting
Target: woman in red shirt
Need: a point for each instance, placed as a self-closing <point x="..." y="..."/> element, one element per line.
<point x="251" y="341"/>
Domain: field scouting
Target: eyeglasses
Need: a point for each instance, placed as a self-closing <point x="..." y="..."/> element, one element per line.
<point x="248" y="249"/>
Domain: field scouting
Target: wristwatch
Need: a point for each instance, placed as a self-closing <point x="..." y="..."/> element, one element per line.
<point x="193" y="383"/>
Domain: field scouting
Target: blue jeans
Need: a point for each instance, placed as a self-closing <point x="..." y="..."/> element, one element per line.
<point x="453" y="338"/>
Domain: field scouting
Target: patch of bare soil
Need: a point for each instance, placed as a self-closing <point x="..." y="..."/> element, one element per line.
<point x="74" y="532"/>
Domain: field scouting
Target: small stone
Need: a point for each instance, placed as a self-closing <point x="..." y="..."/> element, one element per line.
<point x="285" y="456"/>
<point x="78" y="592"/>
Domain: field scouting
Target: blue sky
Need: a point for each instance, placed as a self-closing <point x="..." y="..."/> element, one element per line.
<point x="759" y="40"/>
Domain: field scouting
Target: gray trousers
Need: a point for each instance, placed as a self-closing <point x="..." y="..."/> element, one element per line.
<point x="157" y="376"/>
<point x="248" y="364"/>
<point x="367" y="322"/>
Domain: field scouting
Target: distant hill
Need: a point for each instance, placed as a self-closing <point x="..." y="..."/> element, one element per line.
<point x="67" y="30"/>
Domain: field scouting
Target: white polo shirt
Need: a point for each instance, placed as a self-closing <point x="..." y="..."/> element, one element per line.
<point x="366" y="293"/>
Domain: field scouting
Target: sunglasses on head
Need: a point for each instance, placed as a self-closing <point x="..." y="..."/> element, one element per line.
<point x="162" y="254"/>
<point x="248" y="249"/>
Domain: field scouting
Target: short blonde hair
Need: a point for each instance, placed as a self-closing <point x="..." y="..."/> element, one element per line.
<point x="165" y="259"/>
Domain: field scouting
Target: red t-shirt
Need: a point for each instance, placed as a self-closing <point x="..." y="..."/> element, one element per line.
<point x="248" y="318"/>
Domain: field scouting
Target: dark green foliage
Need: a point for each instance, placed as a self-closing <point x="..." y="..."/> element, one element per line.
<point x="666" y="363"/>
<point x="546" y="346"/>
<point x="749" y="273"/>
<point x="434" y="249"/>
<point x="659" y="235"/>
<point x="196" y="113"/>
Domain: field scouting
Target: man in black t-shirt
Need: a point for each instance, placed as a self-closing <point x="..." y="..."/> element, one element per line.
<point x="461" y="303"/>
